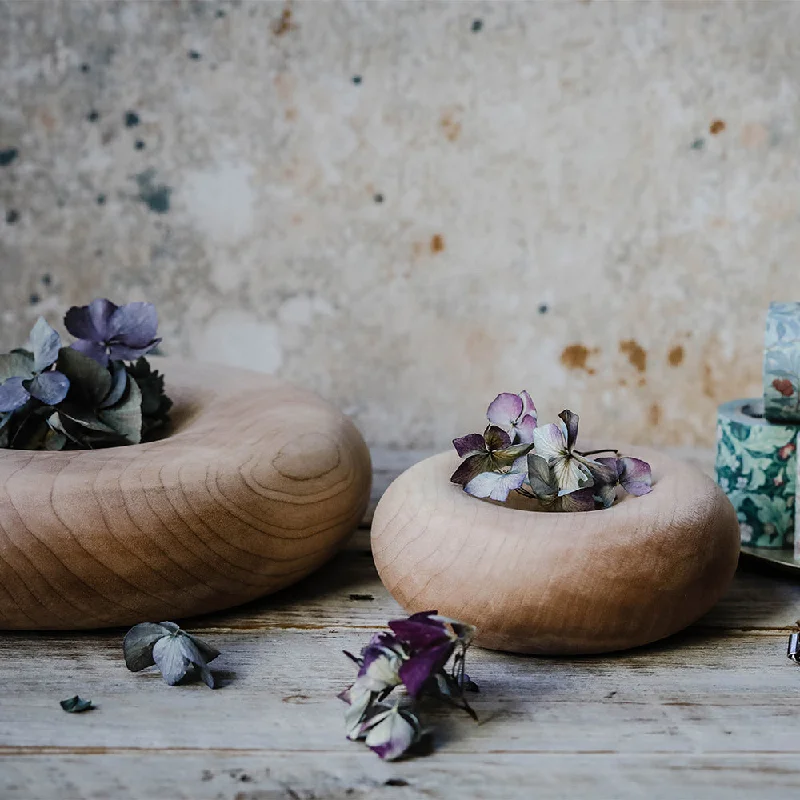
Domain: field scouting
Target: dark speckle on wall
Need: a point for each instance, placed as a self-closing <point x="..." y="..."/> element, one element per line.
<point x="92" y="116"/>
<point x="34" y="298"/>
<point x="8" y="155"/>
<point x="12" y="215"/>
<point x="378" y="198"/>
<point x="131" y="119"/>
<point x="698" y="144"/>
<point x="356" y="79"/>
<point x="46" y="279"/>
<point x="194" y="55"/>
<point x="139" y="145"/>
<point x="220" y="13"/>
<point x="101" y="199"/>
<point x="477" y="25"/>
<point x="543" y="308"/>
<point x="154" y="196"/>
<point x="85" y="67"/>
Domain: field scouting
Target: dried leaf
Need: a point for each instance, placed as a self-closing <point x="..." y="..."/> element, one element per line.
<point x="137" y="646"/>
<point x="76" y="705"/>
<point x="45" y="343"/>
<point x="119" y="383"/>
<point x="126" y="417"/>
<point x="90" y="382"/>
<point x="169" y="658"/>
<point x="17" y="364"/>
<point x="171" y="649"/>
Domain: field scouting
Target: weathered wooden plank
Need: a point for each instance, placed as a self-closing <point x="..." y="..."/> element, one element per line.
<point x="358" y="775"/>
<point x="693" y="694"/>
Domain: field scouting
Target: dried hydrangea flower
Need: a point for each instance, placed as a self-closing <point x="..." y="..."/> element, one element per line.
<point x="498" y="485"/>
<point x="431" y="640"/>
<point x="545" y="488"/>
<point x="515" y="414"/>
<point x="390" y="729"/>
<point x="633" y="475"/>
<point x="409" y="660"/>
<point x="171" y="649"/>
<point x="485" y="453"/>
<point x="27" y="374"/>
<point x="554" y="472"/>
<point x="379" y="665"/>
<point x="106" y="331"/>
<point x="571" y="469"/>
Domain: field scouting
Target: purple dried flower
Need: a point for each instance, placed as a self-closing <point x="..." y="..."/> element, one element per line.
<point x="635" y="476"/>
<point x="499" y="484"/>
<point x="412" y="657"/>
<point x="430" y="639"/>
<point x="485" y="453"/>
<point x="107" y="331"/>
<point x="390" y="730"/>
<point x="515" y="414"/>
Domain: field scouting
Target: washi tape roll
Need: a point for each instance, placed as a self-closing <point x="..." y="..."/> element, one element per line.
<point x="757" y="468"/>
<point x="782" y="363"/>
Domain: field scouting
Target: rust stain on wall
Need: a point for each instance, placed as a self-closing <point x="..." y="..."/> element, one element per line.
<point x="284" y="23"/>
<point x="654" y="414"/>
<point x="437" y="243"/>
<point x="717" y="126"/>
<point x="708" y="382"/>
<point x="450" y="126"/>
<point x="675" y="356"/>
<point x="637" y="355"/>
<point x="576" y="356"/>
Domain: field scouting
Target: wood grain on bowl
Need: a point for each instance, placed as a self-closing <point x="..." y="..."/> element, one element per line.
<point x="257" y="484"/>
<point x="558" y="583"/>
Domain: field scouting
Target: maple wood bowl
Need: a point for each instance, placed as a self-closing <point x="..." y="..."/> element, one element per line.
<point x="557" y="583"/>
<point x="257" y="484"/>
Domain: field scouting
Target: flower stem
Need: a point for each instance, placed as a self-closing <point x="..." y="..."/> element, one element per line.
<point x="595" y="452"/>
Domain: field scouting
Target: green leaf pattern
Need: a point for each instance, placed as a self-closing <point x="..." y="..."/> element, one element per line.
<point x="757" y="468"/>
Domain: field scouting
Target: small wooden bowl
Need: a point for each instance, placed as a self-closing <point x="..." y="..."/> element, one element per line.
<point x="558" y="583"/>
<point x="257" y="484"/>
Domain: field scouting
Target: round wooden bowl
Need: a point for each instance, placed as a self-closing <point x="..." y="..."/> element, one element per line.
<point x="256" y="485"/>
<point x="558" y="583"/>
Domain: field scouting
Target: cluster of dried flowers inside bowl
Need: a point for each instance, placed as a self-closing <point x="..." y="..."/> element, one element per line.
<point x="99" y="392"/>
<point x="515" y="454"/>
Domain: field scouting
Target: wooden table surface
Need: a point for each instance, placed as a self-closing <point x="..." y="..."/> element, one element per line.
<point x="709" y="713"/>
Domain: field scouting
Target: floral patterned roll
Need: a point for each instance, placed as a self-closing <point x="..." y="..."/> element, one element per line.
<point x="757" y="469"/>
<point x="782" y="363"/>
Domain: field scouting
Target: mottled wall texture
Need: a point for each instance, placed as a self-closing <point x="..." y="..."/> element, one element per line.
<point x="411" y="206"/>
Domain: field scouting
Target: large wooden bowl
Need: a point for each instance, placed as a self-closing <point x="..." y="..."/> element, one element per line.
<point x="257" y="485"/>
<point x="558" y="583"/>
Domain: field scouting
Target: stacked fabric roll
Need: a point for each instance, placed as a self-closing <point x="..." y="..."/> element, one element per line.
<point x="757" y="440"/>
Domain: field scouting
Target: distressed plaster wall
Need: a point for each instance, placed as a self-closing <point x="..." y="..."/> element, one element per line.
<point x="411" y="206"/>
